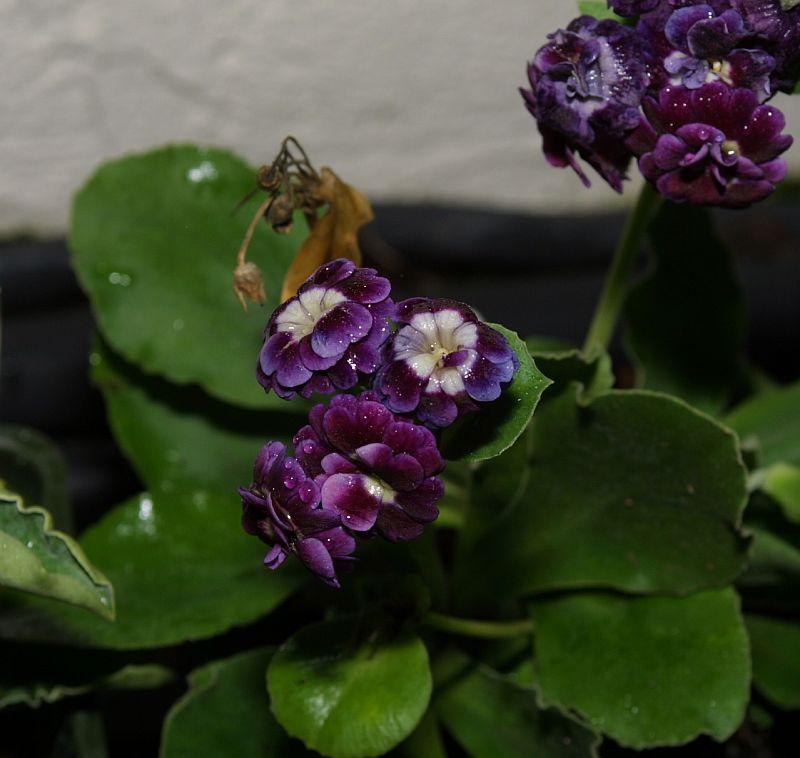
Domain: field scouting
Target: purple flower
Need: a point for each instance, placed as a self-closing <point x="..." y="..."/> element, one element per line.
<point x="375" y="470"/>
<point x="706" y="46"/>
<point x="779" y="30"/>
<point x="328" y="334"/>
<point x="443" y="362"/>
<point x="282" y="507"/>
<point x="711" y="146"/>
<point x="632" y="7"/>
<point x="586" y="87"/>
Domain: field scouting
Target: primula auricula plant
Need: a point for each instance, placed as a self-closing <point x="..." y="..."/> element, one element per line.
<point x="466" y="533"/>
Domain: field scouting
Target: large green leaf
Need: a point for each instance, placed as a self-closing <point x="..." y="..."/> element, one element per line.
<point x="776" y="659"/>
<point x="35" y="684"/>
<point x="179" y="438"/>
<point x="478" y="436"/>
<point x="646" y="671"/>
<point x="772" y="421"/>
<point x="491" y="716"/>
<point x="226" y="713"/>
<point x="635" y="491"/>
<point x="154" y="239"/>
<point x="182" y="567"/>
<point x="782" y="483"/>
<point x="348" y="689"/>
<point x="597" y="8"/>
<point x="32" y="466"/>
<point x="37" y="559"/>
<point x="686" y="320"/>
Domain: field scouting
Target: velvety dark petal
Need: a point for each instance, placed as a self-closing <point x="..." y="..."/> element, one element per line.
<point x="401" y="386"/>
<point x="438" y="411"/>
<point x="375" y="455"/>
<point x="310" y="450"/>
<point x="339" y="328"/>
<point x="351" y="497"/>
<point x="313" y="360"/>
<point x="343" y="375"/>
<point x="317" y="559"/>
<point x="741" y="194"/>
<point x="365" y="286"/>
<point x="681" y="22"/>
<point x="402" y="472"/>
<point x="483" y="380"/>
<point x="494" y="345"/>
<point x="336" y="463"/>
<point x="348" y="428"/>
<point x="420" y="504"/>
<point x="330" y="274"/>
<point x="393" y="524"/>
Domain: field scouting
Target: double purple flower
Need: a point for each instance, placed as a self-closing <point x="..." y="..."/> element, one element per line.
<point x="712" y="146"/>
<point x="586" y="86"/>
<point x="685" y="47"/>
<point x="376" y="470"/>
<point x="443" y="362"/>
<point x="282" y="508"/>
<point x="328" y="334"/>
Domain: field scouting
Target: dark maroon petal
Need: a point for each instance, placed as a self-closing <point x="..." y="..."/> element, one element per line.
<point x="438" y="411"/>
<point x="669" y="152"/>
<point x="339" y="328"/>
<point x="310" y="450"/>
<point x="741" y="194"/>
<point x="350" y="428"/>
<point x="317" y="560"/>
<point x="330" y="274"/>
<point x="403" y="472"/>
<point x="343" y="375"/>
<point x="396" y="526"/>
<point x="348" y="495"/>
<point x="285" y="358"/>
<point x="375" y="455"/>
<point x="421" y="503"/>
<point x="484" y="380"/>
<point x="336" y="463"/>
<point x="775" y="171"/>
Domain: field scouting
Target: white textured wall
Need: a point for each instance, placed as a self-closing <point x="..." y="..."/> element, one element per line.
<point x="409" y="99"/>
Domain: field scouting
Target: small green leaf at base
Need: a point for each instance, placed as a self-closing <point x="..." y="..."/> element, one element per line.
<point x="36" y="559"/>
<point x="649" y="672"/>
<point x="495" y="428"/>
<point x="226" y="713"/>
<point x="349" y="692"/>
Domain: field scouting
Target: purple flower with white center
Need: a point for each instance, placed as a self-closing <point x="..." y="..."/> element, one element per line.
<point x="586" y="86"/>
<point x="282" y="508"/>
<point x="443" y="362"/>
<point x="706" y="46"/>
<point x="711" y="146"/>
<point x="328" y="334"/>
<point x="375" y="470"/>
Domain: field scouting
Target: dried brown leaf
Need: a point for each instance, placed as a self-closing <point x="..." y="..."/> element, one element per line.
<point x="334" y="235"/>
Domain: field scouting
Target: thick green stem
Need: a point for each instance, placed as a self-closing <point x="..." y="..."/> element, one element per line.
<point x="487" y="630"/>
<point x="615" y="288"/>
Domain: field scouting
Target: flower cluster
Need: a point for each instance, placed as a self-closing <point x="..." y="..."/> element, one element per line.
<point x="366" y="464"/>
<point x="683" y="88"/>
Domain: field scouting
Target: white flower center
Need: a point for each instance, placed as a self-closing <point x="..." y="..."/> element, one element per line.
<point x="379" y="489"/>
<point x="426" y="343"/>
<point x="301" y="315"/>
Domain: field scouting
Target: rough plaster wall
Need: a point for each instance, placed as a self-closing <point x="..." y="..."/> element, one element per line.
<point x="409" y="99"/>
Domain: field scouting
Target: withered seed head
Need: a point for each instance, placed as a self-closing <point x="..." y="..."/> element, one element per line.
<point x="280" y="214"/>
<point x="248" y="284"/>
<point x="269" y="178"/>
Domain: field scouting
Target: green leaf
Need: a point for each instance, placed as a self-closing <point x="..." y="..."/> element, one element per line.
<point x="32" y="466"/>
<point x="771" y="420"/>
<point x="646" y="671"/>
<point x="491" y="716"/>
<point x="635" y="491"/>
<point x="776" y="659"/>
<point x="37" y="559"/>
<point x="592" y="371"/>
<point x="787" y="5"/>
<point x="478" y="436"/>
<point x="597" y="8"/>
<point x="179" y="438"/>
<point x="782" y="484"/>
<point x="154" y="239"/>
<point x="226" y="713"/>
<point x="347" y="691"/>
<point x="43" y="688"/>
<point x="183" y="569"/>
<point x="686" y="320"/>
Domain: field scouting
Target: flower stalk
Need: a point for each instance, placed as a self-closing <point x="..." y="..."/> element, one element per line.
<point x="615" y="289"/>
<point x="487" y="630"/>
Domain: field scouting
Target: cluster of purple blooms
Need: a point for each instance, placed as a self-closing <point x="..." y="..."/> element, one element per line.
<point x="683" y="86"/>
<point x="366" y="464"/>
